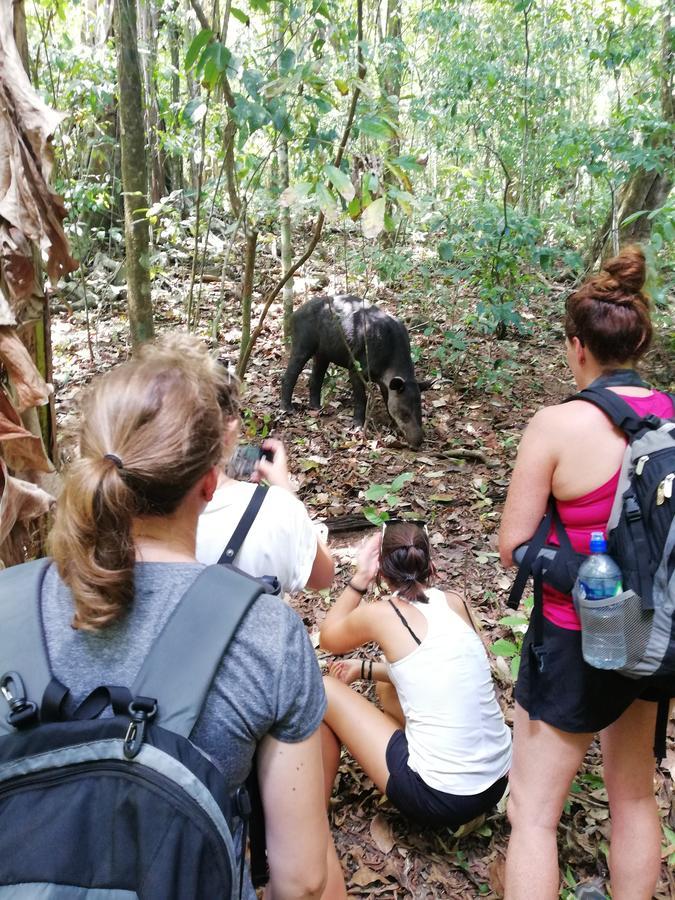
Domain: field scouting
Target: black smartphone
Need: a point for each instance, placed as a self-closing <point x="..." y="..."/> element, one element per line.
<point x="244" y="459"/>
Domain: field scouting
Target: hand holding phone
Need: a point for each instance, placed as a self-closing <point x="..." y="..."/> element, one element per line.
<point x="244" y="461"/>
<point x="273" y="468"/>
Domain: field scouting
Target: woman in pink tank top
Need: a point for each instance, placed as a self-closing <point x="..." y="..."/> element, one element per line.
<point x="573" y="452"/>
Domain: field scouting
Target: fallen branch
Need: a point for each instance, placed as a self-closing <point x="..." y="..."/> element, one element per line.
<point x="465" y="453"/>
<point x="356" y="522"/>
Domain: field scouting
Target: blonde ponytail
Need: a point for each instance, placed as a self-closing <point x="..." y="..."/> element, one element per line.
<point x="149" y="430"/>
<point x="92" y="542"/>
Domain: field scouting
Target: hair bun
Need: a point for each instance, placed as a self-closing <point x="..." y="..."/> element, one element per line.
<point x="628" y="269"/>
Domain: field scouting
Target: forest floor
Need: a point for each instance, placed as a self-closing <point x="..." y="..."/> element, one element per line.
<point x="482" y="398"/>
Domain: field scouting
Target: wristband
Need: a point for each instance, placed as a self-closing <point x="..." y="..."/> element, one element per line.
<point x="358" y="590"/>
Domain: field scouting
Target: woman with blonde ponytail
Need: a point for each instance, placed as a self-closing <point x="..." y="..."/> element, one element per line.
<point x="123" y="545"/>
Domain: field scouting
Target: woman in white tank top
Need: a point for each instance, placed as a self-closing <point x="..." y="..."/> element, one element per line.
<point x="439" y="748"/>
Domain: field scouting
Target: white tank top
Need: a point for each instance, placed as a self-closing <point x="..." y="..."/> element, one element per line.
<point x="457" y="738"/>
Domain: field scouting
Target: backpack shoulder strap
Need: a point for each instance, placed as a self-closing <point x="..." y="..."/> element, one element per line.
<point x="244" y="526"/>
<point x="22" y="644"/>
<point x="183" y="660"/>
<point x="617" y="410"/>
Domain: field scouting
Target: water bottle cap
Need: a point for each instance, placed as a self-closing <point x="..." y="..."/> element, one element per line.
<point x="598" y="542"/>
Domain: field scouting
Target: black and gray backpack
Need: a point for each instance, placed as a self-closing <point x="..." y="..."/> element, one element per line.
<point x="120" y="806"/>
<point x="640" y="534"/>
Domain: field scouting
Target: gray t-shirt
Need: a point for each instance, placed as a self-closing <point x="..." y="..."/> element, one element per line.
<point x="268" y="681"/>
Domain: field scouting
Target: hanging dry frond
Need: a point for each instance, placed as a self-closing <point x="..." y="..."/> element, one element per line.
<point x="31" y="214"/>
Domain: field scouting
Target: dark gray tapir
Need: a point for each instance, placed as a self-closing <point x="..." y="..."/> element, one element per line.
<point x="372" y="344"/>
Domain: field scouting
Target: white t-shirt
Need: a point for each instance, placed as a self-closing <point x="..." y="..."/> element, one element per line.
<point x="282" y="540"/>
<point x="457" y="738"/>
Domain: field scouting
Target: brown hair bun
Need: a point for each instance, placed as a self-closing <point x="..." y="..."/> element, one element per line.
<point x="628" y="269"/>
<point x="609" y="313"/>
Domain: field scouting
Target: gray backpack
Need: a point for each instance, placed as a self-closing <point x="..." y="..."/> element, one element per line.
<point x="641" y="534"/>
<point x="122" y="806"/>
<point x="641" y="539"/>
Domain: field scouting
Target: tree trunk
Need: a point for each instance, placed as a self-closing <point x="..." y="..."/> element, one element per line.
<point x="134" y="173"/>
<point x="649" y="190"/>
<point x="246" y="295"/>
<point x="392" y="76"/>
<point x="147" y="31"/>
<point x="644" y="190"/>
<point x="286" y="241"/>
<point x="523" y="198"/>
<point x="285" y="211"/>
<point x="175" y="160"/>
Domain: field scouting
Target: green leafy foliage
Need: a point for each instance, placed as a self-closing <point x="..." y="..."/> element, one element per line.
<point x="387" y="495"/>
<point x="510" y="647"/>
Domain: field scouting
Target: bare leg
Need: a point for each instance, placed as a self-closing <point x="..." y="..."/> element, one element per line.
<point x="356" y="722"/>
<point x="635" y="855"/>
<point x="545" y="761"/>
<point x="362" y="727"/>
<point x="348" y="671"/>
<point x="386" y="694"/>
<point x="330" y="749"/>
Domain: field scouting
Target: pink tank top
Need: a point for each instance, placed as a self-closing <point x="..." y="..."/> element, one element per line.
<point x="590" y="513"/>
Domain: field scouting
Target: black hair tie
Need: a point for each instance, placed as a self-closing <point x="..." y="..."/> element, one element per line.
<point x="114" y="458"/>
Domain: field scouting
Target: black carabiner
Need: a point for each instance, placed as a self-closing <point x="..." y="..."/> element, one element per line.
<point x="22" y="712"/>
<point x="142" y="710"/>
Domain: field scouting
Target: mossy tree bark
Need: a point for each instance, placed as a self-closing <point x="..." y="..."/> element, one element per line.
<point x="645" y="189"/>
<point x="134" y="173"/>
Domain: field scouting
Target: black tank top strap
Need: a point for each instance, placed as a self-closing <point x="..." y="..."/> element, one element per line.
<point x="402" y="618"/>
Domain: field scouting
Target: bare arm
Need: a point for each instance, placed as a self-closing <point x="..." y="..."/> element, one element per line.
<point x="380" y="673"/>
<point x="323" y="569"/>
<point x="349" y="622"/>
<point x="275" y="472"/>
<point x="530" y="485"/>
<point x="296" y="825"/>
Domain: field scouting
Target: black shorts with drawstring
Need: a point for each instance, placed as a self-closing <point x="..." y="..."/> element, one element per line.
<point x="425" y="805"/>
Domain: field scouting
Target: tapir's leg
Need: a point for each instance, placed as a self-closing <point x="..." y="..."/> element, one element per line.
<point x="359" y="391"/>
<point x="319" y="370"/>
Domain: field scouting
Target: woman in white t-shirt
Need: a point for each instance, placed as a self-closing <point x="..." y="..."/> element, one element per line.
<point x="440" y="749"/>
<point x="282" y="541"/>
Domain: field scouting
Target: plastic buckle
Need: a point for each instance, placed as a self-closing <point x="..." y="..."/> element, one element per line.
<point x="242" y="801"/>
<point x="22" y="712"/>
<point x="142" y="710"/>
<point x="632" y="508"/>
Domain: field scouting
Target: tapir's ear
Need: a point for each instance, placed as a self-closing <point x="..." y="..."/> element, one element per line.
<point x="425" y="384"/>
<point x="397" y="384"/>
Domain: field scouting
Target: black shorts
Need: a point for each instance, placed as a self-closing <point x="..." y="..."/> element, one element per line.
<point x="571" y="695"/>
<point x="425" y="805"/>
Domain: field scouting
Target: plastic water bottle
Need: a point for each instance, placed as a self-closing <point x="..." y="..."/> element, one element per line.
<point x="603" y="638"/>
